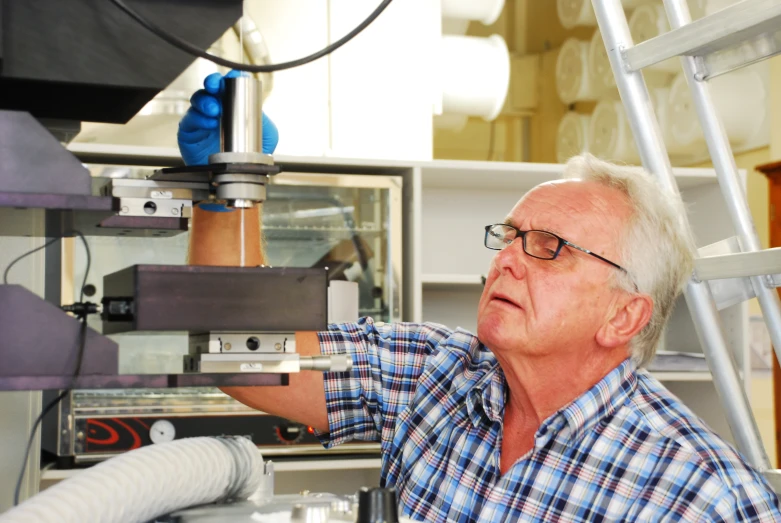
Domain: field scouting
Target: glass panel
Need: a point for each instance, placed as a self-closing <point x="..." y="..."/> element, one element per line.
<point x="345" y="228"/>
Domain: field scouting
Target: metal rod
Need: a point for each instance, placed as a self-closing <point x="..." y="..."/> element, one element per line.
<point x="241" y="125"/>
<point x="729" y="180"/>
<point x="739" y="265"/>
<point x="653" y="154"/>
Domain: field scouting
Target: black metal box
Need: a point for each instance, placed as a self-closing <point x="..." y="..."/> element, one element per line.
<point x="201" y="299"/>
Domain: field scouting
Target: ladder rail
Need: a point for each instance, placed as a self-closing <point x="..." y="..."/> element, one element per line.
<point x="729" y="181"/>
<point x="614" y="28"/>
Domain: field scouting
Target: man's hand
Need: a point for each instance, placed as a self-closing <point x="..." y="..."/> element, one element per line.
<point x="199" y="129"/>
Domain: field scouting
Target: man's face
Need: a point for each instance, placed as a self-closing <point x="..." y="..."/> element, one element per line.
<point x="539" y="307"/>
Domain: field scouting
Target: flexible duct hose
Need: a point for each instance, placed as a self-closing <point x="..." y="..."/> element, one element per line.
<point x="149" y="482"/>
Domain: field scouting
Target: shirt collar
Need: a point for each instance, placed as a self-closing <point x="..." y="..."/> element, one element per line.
<point x="599" y="402"/>
<point x="487" y="395"/>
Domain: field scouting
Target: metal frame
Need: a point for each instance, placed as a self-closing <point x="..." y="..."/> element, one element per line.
<point x="625" y="60"/>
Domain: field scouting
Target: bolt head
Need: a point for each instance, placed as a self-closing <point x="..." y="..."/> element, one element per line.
<point x="277" y="346"/>
<point x="125" y="209"/>
<point x="228" y="346"/>
<point x="175" y="211"/>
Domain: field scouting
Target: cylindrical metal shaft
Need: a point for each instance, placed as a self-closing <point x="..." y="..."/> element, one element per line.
<point x="241" y="124"/>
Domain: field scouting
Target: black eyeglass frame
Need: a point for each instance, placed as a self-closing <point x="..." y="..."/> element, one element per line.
<point x="562" y="243"/>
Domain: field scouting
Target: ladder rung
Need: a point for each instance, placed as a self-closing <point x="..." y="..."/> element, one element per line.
<point x="737" y="35"/>
<point x="739" y="265"/>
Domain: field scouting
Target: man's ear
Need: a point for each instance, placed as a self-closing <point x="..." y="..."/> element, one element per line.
<point x="628" y="317"/>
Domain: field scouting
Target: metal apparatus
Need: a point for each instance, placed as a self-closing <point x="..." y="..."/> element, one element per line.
<point x="741" y="34"/>
<point x="239" y="173"/>
<point x="40" y="181"/>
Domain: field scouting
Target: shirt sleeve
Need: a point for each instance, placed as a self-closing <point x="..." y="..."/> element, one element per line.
<point x="752" y="501"/>
<point x="387" y="359"/>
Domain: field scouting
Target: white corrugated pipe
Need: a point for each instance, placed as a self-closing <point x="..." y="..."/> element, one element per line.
<point x="149" y="482"/>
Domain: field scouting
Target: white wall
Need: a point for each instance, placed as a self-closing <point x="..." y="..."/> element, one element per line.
<point x="298" y="103"/>
<point x="382" y="83"/>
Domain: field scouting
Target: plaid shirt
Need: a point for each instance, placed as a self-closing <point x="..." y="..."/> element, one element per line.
<point x="627" y="449"/>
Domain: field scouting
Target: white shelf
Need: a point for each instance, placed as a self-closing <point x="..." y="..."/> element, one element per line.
<point x="522" y="176"/>
<point x="451" y="280"/>
<point x="682" y="375"/>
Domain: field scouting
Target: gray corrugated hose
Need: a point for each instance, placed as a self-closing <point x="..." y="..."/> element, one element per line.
<point x="145" y="483"/>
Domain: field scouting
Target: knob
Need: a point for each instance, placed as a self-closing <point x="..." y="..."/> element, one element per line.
<point x="377" y="505"/>
<point x="289" y="433"/>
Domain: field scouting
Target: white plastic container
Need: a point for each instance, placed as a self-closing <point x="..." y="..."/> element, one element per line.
<point x="474" y="75"/>
<point x="572" y="136"/>
<point x="649" y="21"/>
<point x="574" y="13"/>
<point x="610" y="136"/>
<point x="740" y="98"/>
<point x="483" y="11"/>
<point x="574" y="82"/>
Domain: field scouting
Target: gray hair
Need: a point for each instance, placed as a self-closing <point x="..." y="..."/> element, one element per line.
<point x="656" y="249"/>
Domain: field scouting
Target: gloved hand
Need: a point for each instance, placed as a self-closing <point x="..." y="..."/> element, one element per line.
<point x="199" y="129"/>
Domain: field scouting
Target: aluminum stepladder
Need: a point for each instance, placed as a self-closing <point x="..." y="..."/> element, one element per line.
<point x="741" y="34"/>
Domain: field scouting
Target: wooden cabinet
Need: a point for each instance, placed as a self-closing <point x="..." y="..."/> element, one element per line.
<point x="773" y="172"/>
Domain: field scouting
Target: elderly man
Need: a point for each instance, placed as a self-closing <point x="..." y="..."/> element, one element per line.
<point x="544" y="414"/>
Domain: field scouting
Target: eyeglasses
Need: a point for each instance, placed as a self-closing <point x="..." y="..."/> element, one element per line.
<point x="537" y="244"/>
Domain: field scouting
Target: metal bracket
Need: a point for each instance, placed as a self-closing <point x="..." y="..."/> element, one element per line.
<point x="724" y="259"/>
<point x="242" y="343"/>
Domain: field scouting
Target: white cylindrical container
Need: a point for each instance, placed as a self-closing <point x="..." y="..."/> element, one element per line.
<point x="450" y="121"/>
<point x="601" y="72"/>
<point x="599" y="68"/>
<point x="649" y="21"/>
<point x="740" y="98"/>
<point x="574" y="13"/>
<point x="572" y="136"/>
<point x="660" y="98"/>
<point x="573" y="79"/>
<point x="474" y="75"/>
<point x="609" y="135"/>
<point x="484" y="11"/>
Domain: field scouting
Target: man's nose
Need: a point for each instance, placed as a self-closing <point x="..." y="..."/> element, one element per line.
<point x="512" y="259"/>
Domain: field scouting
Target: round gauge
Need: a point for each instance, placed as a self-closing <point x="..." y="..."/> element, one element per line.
<point x="162" y="431"/>
<point x="289" y="433"/>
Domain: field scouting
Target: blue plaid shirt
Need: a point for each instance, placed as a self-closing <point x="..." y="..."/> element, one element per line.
<point x="627" y="449"/>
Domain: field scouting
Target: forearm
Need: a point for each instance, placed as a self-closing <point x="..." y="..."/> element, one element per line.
<point x="216" y="238"/>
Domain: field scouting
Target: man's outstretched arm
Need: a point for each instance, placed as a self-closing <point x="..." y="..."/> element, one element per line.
<point x="215" y="239"/>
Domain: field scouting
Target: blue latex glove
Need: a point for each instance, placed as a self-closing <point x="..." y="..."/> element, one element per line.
<point x="199" y="129"/>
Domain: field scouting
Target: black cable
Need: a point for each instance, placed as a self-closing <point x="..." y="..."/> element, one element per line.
<point x="25" y="255"/>
<point x="79" y="358"/>
<point x="195" y="51"/>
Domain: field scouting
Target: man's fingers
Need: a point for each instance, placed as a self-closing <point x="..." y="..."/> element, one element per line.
<point x="205" y="103"/>
<point x="212" y="83"/>
<point x="270" y="135"/>
<point x="195" y="121"/>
